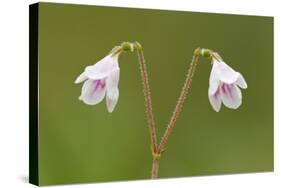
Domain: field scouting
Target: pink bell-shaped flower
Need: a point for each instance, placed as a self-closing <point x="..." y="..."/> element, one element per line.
<point x="101" y="80"/>
<point x="224" y="86"/>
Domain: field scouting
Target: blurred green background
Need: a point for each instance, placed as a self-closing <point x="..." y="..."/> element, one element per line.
<point x="81" y="143"/>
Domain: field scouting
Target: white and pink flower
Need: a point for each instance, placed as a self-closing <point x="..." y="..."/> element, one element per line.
<point x="224" y="86"/>
<point x="100" y="80"/>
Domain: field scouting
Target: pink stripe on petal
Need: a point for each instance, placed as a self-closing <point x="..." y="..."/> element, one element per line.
<point x="97" y="84"/>
<point x="229" y="89"/>
<point x="217" y="93"/>
<point x="224" y="89"/>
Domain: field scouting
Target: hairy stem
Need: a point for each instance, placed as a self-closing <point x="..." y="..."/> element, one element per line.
<point x="180" y="102"/>
<point x="157" y="150"/>
<point x="147" y="96"/>
<point x="155" y="167"/>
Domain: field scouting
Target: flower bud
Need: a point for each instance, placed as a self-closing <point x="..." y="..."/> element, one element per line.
<point x="206" y="53"/>
<point x="127" y="46"/>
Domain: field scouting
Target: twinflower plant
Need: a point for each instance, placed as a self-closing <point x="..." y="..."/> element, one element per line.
<point x="101" y="81"/>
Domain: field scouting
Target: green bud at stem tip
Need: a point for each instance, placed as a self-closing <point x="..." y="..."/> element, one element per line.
<point x="127" y="46"/>
<point x="206" y="53"/>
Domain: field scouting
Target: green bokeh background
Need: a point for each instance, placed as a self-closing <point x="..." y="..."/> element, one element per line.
<point x="80" y="143"/>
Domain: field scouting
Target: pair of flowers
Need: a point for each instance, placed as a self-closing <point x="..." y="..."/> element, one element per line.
<point x="101" y="81"/>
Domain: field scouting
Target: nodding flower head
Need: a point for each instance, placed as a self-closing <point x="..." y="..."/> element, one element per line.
<point x="224" y="85"/>
<point x="101" y="80"/>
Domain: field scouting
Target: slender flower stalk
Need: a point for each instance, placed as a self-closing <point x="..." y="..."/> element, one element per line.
<point x="149" y="113"/>
<point x="147" y="96"/>
<point x="181" y="100"/>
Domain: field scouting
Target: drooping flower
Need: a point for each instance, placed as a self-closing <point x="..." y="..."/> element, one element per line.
<point x="100" y="80"/>
<point x="224" y="86"/>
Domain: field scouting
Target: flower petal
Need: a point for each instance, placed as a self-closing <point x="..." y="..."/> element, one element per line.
<point x="112" y="99"/>
<point x="241" y="82"/>
<point x="225" y="73"/>
<point x="113" y="79"/>
<point x="231" y="96"/>
<point x="214" y="80"/>
<point x="215" y="100"/>
<point x="93" y="91"/>
<point x="81" y="78"/>
<point x="102" y="69"/>
<point x="112" y="91"/>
